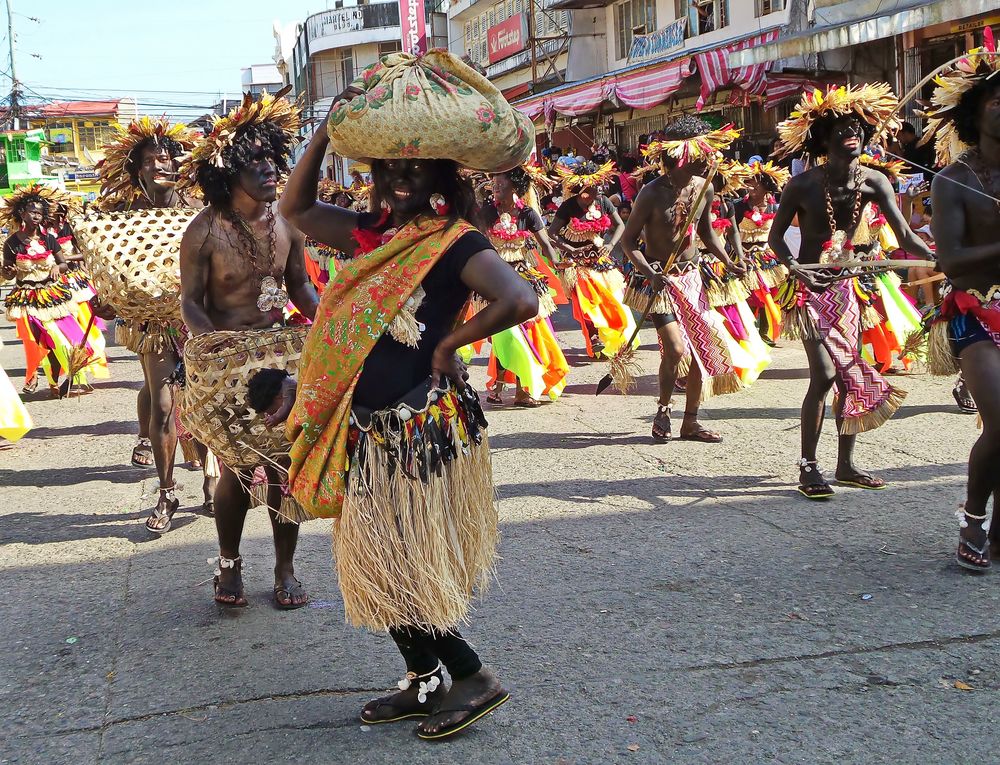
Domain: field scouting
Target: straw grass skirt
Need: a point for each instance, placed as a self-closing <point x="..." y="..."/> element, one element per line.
<point x="412" y="545"/>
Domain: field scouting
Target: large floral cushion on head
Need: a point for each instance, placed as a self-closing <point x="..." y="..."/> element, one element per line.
<point x="431" y="106"/>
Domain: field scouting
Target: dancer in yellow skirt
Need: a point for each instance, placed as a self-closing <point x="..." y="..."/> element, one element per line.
<point x="585" y="229"/>
<point x="46" y="315"/>
<point x="526" y="355"/>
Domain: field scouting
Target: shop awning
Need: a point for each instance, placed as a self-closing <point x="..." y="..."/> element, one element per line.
<point x="641" y="88"/>
<point x="821" y="39"/>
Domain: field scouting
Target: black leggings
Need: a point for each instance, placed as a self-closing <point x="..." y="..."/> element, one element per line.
<point x="423" y="650"/>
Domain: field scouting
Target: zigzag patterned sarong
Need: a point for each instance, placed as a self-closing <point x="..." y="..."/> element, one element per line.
<point x="868" y="400"/>
<point x="704" y="333"/>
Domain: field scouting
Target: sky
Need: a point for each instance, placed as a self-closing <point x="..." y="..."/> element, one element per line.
<point x="176" y="57"/>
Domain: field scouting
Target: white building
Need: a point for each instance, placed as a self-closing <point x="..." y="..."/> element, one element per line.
<point x="260" y="78"/>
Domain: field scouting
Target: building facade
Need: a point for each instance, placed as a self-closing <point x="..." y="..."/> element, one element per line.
<point x="260" y="78"/>
<point x="628" y="65"/>
<point x="77" y="132"/>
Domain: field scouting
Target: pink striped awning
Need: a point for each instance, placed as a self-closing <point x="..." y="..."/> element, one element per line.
<point x="713" y="67"/>
<point x="648" y="87"/>
<point x="640" y="89"/>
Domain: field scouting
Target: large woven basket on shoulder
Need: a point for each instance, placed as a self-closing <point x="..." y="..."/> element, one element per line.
<point x="134" y="260"/>
<point x="213" y="404"/>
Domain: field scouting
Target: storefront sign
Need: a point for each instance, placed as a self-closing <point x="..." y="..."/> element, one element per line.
<point x="411" y="19"/>
<point x="659" y="42"/>
<point x="971" y="26"/>
<point x="507" y="38"/>
<point x="82" y="175"/>
<point x="341" y="20"/>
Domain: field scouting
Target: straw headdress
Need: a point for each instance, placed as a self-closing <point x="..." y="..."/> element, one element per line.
<point x="433" y="107"/>
<point x="697" y="147"/>
<point x="538" y="176"/>
<point x="951" y="85"/>
<point x="874" y="104"/>
<point x="117" y="186"/>
<point x="34" y="192"/>
<point x="735" y="174"/>
<point x="584" y="175"/>
<point x="761" y="170"/>
<point x="276" y="109"/>
<point x="893" y="168"/>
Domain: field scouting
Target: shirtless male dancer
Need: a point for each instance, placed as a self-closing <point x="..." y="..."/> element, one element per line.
<point x="234" y="244"/>
<point x="966" y="226"/>
<point x="659" y="214"/>
<point x="139" y="172"/>
<point x="830" y="201"/>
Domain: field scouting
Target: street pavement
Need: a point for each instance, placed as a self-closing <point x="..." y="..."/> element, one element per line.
<point x="674" y="603"/>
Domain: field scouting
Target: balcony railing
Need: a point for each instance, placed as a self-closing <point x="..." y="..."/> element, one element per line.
<point x="354" y="19"/>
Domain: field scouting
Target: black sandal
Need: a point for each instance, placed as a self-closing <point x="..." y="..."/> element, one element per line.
<point x="659" y="433"/>
<point x="972" y="552"/>
<point x="431" y="687"/>
<point x="280" y="590"/>
<point x="238" y="597"/>
<point x="701" y="434"/>
<point x="139" y="452"/>
<point x="167" y="512"/>
<point x="476" y="712"/>
<point x="819" y="490"/>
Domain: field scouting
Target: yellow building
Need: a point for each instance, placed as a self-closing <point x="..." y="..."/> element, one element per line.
<point x="77" y="131"/>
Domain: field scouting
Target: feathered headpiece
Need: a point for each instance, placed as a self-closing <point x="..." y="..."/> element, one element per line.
<point x="276" y="109"/>
<point x="735" y="174"/>
<point x="874" y="104"/>
<point x="117" y="186"/>
<point x="587" y="174"/>
<point x="893" y="168"/>
<point x="761" y="170"/>
<point x="978" y="65"/>
<point x="538" y="176"/>
<point x="34" y="192"/>
<point x="699" y="147"/>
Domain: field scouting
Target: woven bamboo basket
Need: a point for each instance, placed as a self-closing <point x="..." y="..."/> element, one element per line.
<point x="213" y="404"/>
<point x="134" y="260"/>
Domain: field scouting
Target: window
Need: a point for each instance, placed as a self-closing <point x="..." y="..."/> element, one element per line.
<point x="706" y="15"/>
<point x="96" y="135"/>
<point x="16" y="151"/>
<point x="765" y="7"/>
<point x="345" y="67"/>
<point x="385" y="48"/>
<point x="632" y="17"/>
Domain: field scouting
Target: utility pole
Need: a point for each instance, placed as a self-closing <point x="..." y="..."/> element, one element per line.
<point x="15" y="107"/>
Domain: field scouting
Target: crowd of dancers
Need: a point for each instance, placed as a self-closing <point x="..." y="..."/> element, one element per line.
<point x="352" y="312"/>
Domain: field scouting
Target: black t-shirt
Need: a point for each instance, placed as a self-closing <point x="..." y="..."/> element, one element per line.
<point x="527" y="218"/>
<point x="392" y="369"/>
<point x="571" y="208"/>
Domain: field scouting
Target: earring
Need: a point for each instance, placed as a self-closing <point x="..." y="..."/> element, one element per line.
<point x="439" y="204"/>
<point x="385" y="206"/>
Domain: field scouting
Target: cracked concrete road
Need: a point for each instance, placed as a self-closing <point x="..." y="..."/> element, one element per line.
<point x="655" y="603"/>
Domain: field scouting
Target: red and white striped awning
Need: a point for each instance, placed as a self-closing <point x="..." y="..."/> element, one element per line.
<point x="715" y="72"/>
<point x="647" y="88"/>
<point x="639" y="89"/>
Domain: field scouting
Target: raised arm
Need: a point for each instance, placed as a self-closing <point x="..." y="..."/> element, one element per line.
<point x="325" y="223"/>
<point x="949" y="226"/>
<point x="300" y="289"/>
<point x="194" y="275"/>
<point x="885" y="198"/>
<point x="511" y="301"/>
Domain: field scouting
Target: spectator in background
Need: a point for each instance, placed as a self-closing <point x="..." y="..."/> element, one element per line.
<point x="917" y="157"/>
